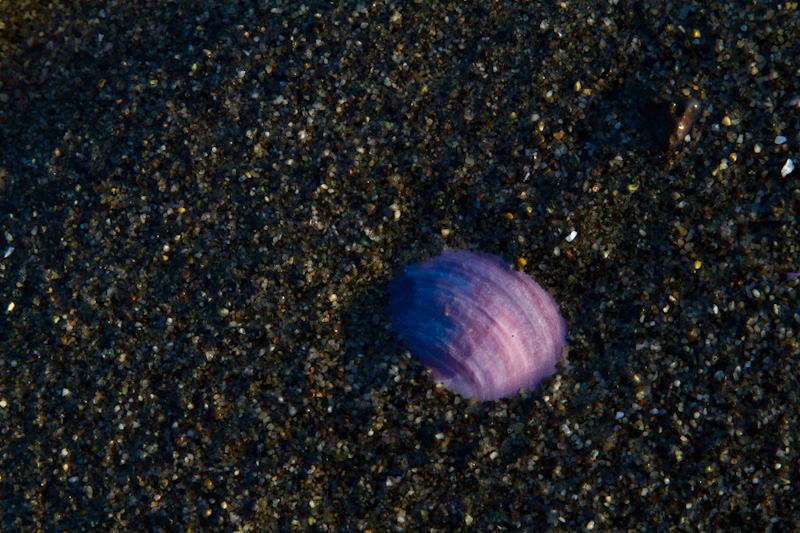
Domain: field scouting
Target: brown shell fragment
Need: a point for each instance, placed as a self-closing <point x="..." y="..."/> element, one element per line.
<point x="669" y="118"/>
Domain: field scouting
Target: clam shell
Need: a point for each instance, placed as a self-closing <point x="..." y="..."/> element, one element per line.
<point x="483" y="329"/>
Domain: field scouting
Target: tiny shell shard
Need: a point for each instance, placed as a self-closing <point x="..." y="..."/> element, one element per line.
<point x="669" y="119"/>
<point x="482" y="329"/>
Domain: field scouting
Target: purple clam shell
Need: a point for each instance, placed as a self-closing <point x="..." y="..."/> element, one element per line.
<point x="483" y="329"/>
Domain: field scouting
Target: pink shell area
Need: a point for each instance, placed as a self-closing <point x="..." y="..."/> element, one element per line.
<point x="483" y="329"/>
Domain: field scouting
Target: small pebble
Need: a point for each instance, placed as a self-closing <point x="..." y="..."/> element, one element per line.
<point x="788" y="168"/>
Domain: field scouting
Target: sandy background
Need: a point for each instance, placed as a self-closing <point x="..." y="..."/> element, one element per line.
<point x="201" y="207"/>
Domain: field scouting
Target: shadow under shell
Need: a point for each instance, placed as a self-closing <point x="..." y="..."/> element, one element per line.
<point x="483" y="329"/>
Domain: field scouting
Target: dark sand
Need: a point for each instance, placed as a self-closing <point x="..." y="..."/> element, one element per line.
<point x="200" y="209"/>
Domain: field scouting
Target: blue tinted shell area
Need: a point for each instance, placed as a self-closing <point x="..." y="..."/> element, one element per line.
<point x="483" y="329"/>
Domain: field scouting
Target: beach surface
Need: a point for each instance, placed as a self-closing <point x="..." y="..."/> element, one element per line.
<point x="201" y="207"/>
